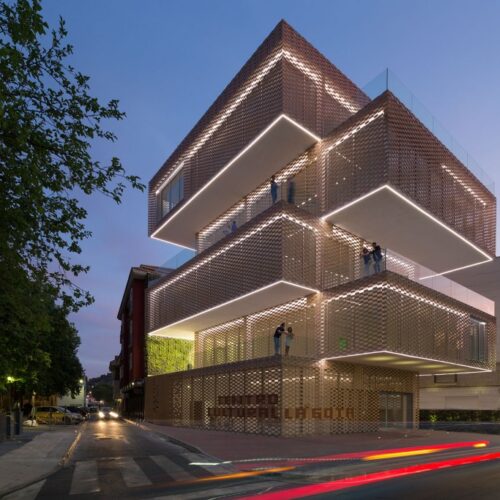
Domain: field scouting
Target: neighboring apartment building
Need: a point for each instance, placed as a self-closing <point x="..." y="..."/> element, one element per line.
<point x="351" y="169"/>
<point x="114" y="368"/>
<point x="131" y="363"/>
<point x="474" y="391"/>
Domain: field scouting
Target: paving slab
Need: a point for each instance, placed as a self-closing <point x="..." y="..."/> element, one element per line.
<point x="35" y="459"/>
<point x="234" y="446"/>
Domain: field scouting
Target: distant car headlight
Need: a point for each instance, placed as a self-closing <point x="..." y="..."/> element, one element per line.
<point x="101" y="414"/>
<point x="113" y="414"/>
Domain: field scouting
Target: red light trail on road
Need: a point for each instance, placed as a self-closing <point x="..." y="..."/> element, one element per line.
<point x="341" y="484"/>
<point x="361" y="455"/>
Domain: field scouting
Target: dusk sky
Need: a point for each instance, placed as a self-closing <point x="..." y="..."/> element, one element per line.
<point x="166" y="61"/>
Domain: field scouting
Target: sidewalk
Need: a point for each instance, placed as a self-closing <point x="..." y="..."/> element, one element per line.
<point x="232" y="446"/>
<point x="37" y="458"/>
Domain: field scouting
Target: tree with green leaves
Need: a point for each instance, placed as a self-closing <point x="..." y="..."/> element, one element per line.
<point x="103" y="392"/>
<point x="48" y="123"/>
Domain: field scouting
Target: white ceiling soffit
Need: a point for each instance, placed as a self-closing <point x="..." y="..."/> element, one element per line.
<point x="394" y="221"/>
<point x="421" y="365"/>
<point x="263" y="298"/>
<point x="280" y="143"/>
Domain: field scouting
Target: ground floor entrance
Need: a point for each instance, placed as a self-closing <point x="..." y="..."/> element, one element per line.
<point x="396" y="409"/>
<point x="284" y="396"/>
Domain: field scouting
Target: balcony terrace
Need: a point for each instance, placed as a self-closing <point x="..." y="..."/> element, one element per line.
<point x="285" y="98"/>
<point x="389" y="179"/>
<point x="269" y="261"/>
<point x="389" y="320"/>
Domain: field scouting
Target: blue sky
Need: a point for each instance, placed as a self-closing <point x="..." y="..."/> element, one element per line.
<point x="166" y="61"/>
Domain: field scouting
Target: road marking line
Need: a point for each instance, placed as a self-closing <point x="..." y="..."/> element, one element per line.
<point x="131" y="472"/>
<point x="213" y="469"/>
<point x="176" y="472"/>
<point x="214" y="492"/>
<point x="85" y="478"/>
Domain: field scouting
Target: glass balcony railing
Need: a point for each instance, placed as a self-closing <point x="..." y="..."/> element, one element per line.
<point x="426" y="277"/>
<point x="179" y="259"/>
<point x="387" y="80"/>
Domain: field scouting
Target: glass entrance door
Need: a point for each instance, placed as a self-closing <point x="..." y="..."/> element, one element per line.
<point x="396" y="409"/>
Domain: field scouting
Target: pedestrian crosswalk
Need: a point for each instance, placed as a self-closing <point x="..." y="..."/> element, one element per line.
<point x="88" y="475"/>
<point x="181" y="476"/>
<point x="85" y="478"/>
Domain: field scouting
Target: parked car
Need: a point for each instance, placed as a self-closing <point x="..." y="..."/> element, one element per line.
<point x="75" y="415"/>
<point x="93" y="413"/>
<point x="55" y="415"/>
<point x="78" y="409"/>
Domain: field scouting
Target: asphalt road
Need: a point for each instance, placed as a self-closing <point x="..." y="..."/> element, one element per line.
<point x="115" y="459"/>
<point x="469" y="482"/>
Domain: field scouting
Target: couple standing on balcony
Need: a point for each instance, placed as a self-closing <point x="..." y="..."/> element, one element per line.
<point x="375" y="254"/>
<point x="288" y="339"/>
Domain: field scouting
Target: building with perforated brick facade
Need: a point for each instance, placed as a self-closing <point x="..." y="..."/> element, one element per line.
<point x="350" y="169"/>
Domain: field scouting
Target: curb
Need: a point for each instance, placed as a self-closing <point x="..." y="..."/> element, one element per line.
<point x="62" y="463"/>
<point x="178" y="442"/>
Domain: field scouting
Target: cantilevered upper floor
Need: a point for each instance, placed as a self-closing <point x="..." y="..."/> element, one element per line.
<point x="284" y="99"/>
<point x="388" y="178"/>
<point x="281" y="255"/>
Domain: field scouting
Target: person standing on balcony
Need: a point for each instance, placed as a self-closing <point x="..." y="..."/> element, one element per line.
<point x="274" y="189"/>
<point x="291" y="191"/>
<point x="377" y="256"/>
<point x="288" y="339"/>
<point x="234" y="226"/>
<point x="277" y="338"/>
<point x="366" y="255"/>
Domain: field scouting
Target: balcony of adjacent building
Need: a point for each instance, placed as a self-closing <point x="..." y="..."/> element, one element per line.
<point x="269" y="261"/>
<point x="282" y="102"/>
<point x="389" y="320"/>
<point x="391" y="176"/>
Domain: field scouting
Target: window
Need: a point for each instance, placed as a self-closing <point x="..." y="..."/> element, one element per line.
<point x="172" y="193"/>
<point x="478" y="340"/>
<point x="130" y="333"/>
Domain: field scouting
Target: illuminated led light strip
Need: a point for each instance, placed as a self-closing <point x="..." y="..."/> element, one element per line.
<point x="452" y="373"/>
<point x="356" y="292"/>
<point x="238" y="99"/>
<point x="424" y="212"/>
<point x="420" y="358"/>
<point x="241" y="297"/>
<point x="169" y="178"/>
<point x="233" y="244"/>
<point x="462" y="183"/>
<point x="252" y="84"/>
<point x="356" y="129"/>
<point x="239" y="155"/>
<point x="396" y="289"/>
<point x="315" y="76"/>
<point x="253" y="198"/>
<point x="456" y="269"/>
